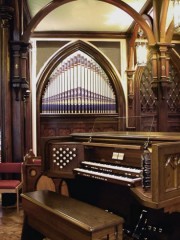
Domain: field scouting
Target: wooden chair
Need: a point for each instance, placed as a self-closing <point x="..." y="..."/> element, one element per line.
<point x="11" y="185"/>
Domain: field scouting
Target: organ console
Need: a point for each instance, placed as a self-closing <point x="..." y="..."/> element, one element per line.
<point x="127" y="173"/>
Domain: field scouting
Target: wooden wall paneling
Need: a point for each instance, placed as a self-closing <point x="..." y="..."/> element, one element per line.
<point x="173" y="99"/>
<point x="145" y="100"/>
<point x="149" y="104"/>
<point x="64" y="125"/>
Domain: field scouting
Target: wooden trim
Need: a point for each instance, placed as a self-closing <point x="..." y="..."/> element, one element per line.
<point x="108" y="145"/>
<point x="73" y="34"/>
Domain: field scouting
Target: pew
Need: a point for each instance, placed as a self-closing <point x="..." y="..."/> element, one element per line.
<point x="49" y="214"/>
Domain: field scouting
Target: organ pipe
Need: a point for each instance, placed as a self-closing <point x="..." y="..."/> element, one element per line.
<point x="78" y="85"/>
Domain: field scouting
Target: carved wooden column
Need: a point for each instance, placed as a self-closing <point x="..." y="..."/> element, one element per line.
<point x="131" y="110"/>
<point x="130" y="75"/>
<point x="20" y="90"/>
<point x="5" y="93"/>
<point x="19" y="81"/>
<point x="161" y="83"/>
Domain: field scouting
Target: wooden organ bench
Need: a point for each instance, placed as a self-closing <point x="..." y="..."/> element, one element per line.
<point x="59" y="217"/>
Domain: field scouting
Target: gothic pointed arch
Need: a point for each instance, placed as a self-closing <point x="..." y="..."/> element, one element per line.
<point x="108" y="68"/>
<point x="94" y="54"/>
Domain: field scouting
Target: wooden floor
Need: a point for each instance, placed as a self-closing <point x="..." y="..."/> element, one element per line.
<point x="10" y="223"/>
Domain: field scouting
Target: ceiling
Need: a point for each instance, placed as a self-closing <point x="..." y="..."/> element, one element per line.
<point x="85" y="15"/>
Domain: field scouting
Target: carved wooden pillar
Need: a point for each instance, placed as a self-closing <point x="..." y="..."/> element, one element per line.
<point x="130" y="77"/>
<point x="164" y="69"/>
<point x="161" y="83"/>
<point x="5" y="93"/>
<point x="20" y="90"/>
<point x="155" y="81"/>
<point x="131" y="119"/>
<point x="19" y="80"/>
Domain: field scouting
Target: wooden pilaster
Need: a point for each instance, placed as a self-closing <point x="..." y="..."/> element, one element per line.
<point x="20" y="89"/>
<point x="5" y="93"/>
<point x="131" y="107"/>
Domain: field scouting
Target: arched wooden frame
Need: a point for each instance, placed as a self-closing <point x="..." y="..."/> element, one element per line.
<point x="94" y="54"/>
<point x="120" y="4"/>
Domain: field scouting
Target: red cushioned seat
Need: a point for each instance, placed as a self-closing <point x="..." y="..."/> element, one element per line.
<point x="11" y="185"/>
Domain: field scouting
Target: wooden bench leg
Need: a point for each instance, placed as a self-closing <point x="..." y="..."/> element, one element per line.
<point x="29" y="233"/>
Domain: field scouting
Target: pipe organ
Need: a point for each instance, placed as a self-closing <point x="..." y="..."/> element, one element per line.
<point x="78" y="85"/>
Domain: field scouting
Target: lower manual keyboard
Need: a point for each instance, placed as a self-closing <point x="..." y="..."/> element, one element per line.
<point x="113" y="178"/>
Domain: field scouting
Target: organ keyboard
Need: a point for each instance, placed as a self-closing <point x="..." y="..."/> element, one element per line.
<point x="106" y="172"/>
<point x="113" y="168"/>
<point x="129" y="181"/>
